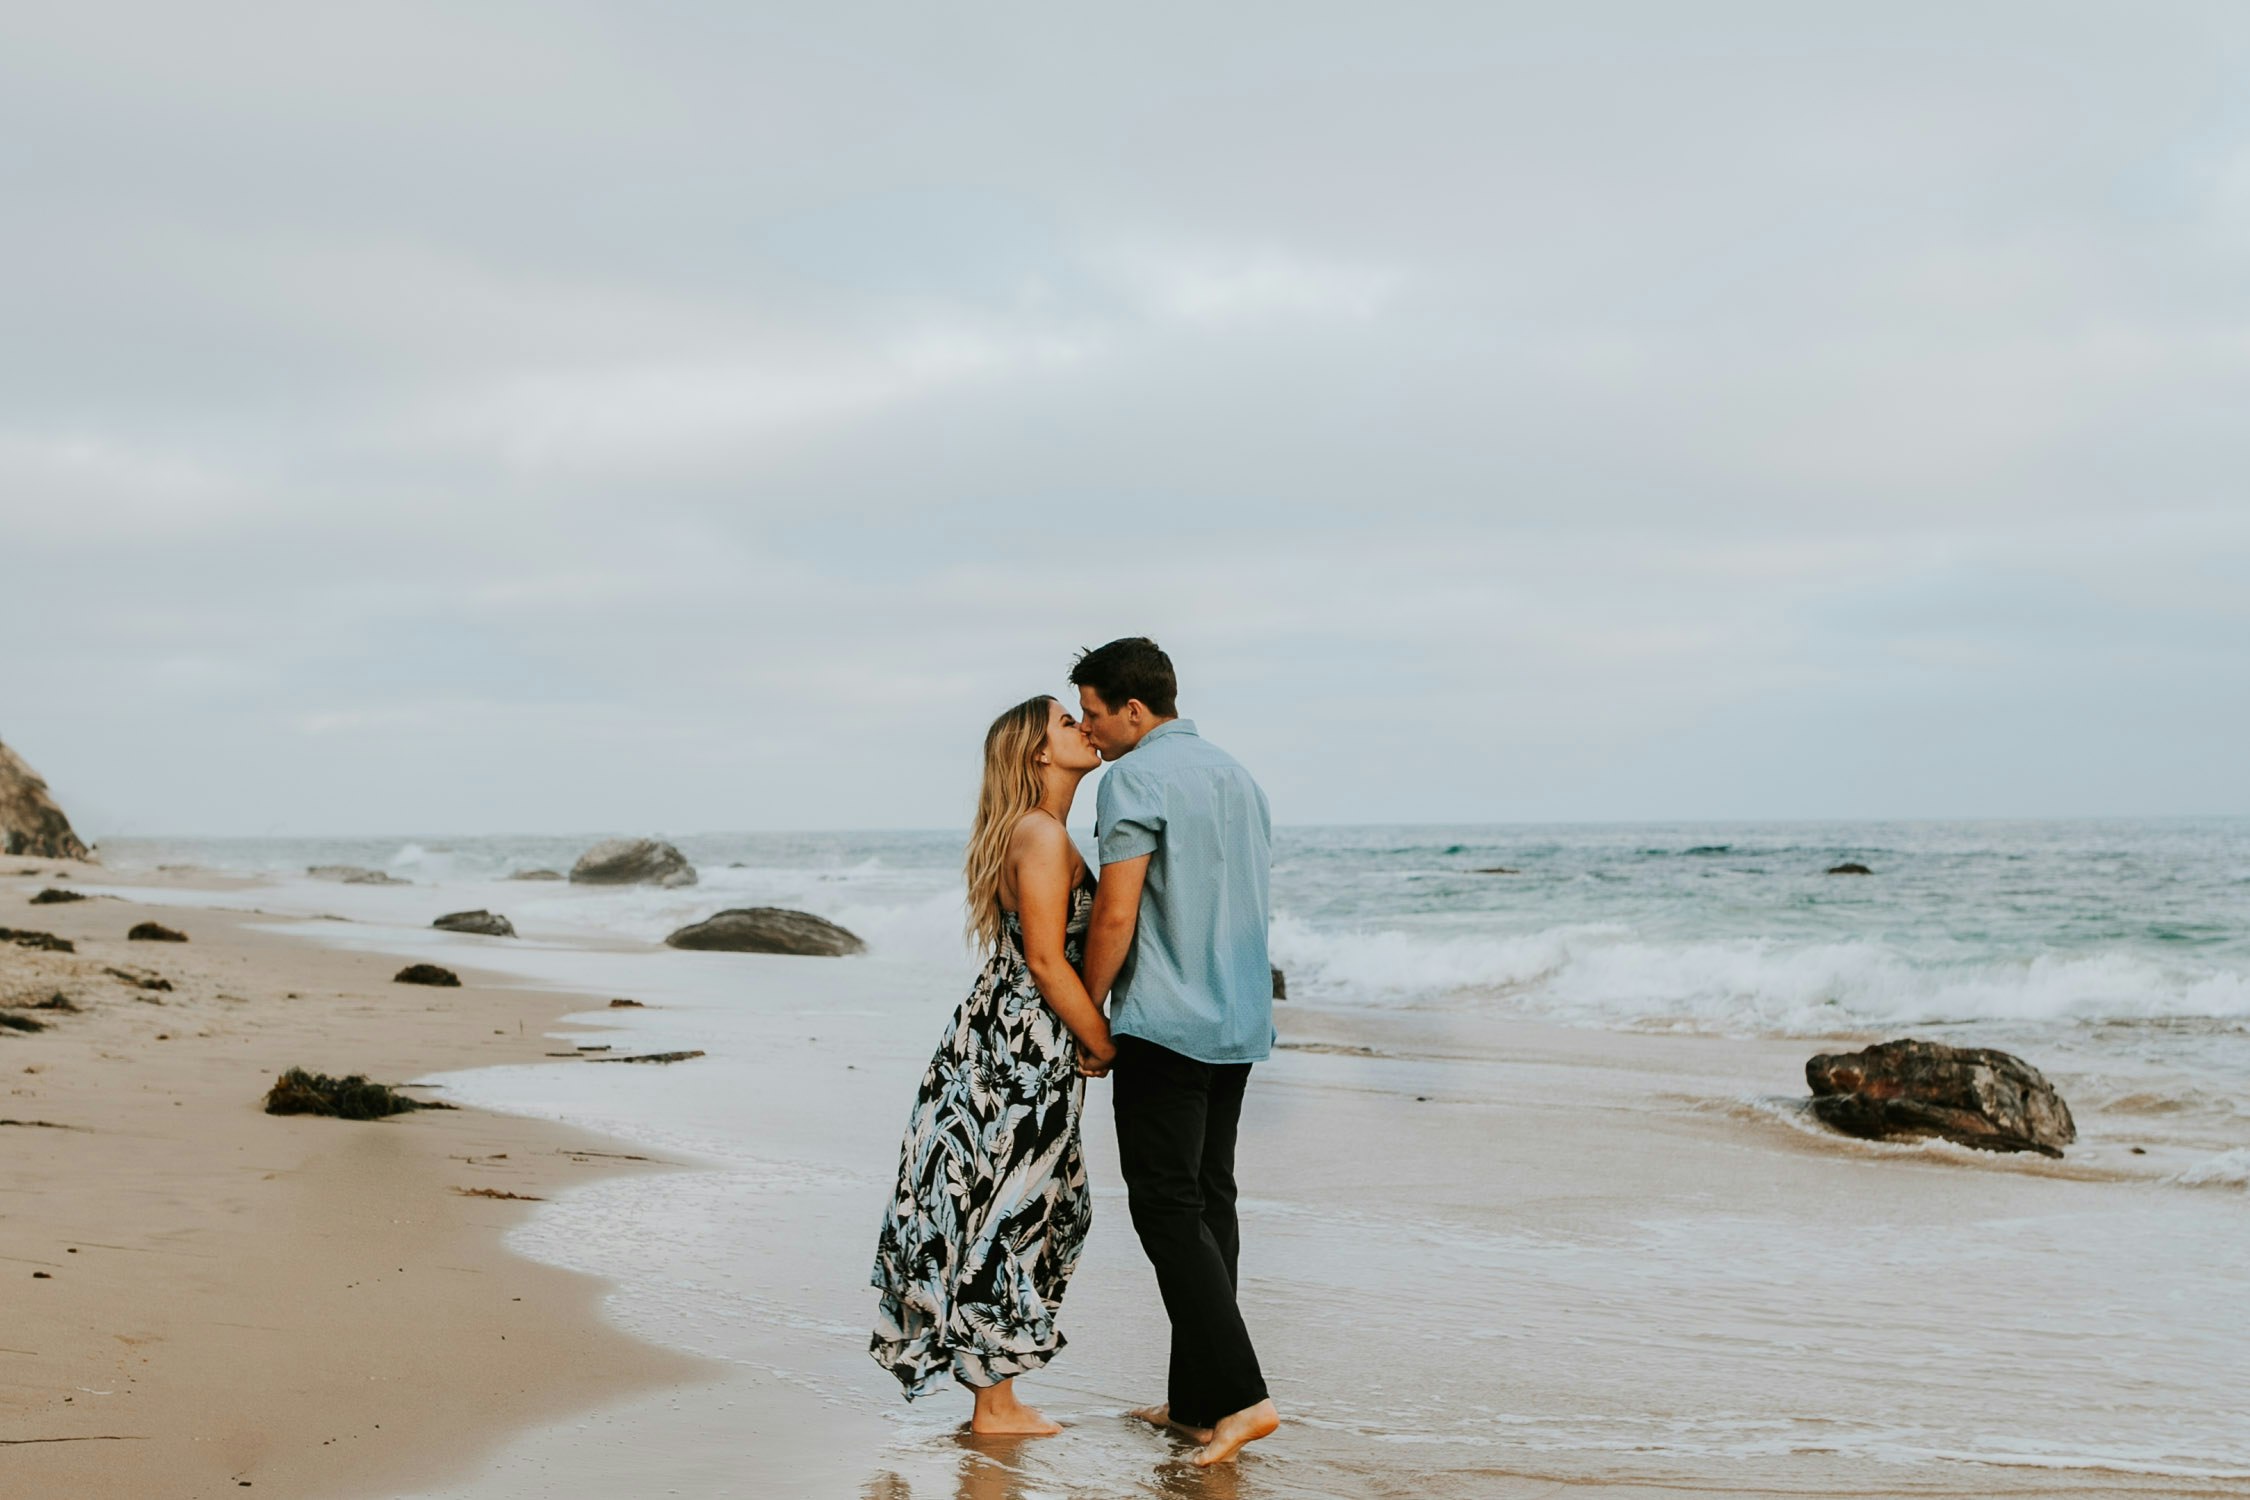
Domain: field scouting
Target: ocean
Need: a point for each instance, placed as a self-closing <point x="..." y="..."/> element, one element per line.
<point x="1530" y="1193"/>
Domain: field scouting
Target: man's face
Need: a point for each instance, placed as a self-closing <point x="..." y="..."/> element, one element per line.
<point x="1114" y="731"/>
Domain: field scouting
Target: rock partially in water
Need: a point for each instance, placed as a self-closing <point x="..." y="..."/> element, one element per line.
<point x="427" y="974"/>
<point x="30" y="822"/>
<point x="1975" y="1096"/>
<point x="482" y="923"/>
<point x="354" y="875"/>
<point x="1499" y="870"/>
<point x="535" y="875"/>
<point x="52" y="897"/>
<point x="768" y="929"/>
<point x="1280" y="983"/>
<point x="1850" y="867"/>
<point x="155" y="932"/>
<point x="632" y="862"/>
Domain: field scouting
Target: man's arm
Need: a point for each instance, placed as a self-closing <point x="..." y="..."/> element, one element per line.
<point x="1117" y="911"/>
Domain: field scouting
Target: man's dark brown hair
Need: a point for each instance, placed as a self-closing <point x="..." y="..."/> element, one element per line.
<point x="1134" y="667"/>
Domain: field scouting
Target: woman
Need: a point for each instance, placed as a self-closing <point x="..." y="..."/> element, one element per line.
<point x="991" y="1207"/>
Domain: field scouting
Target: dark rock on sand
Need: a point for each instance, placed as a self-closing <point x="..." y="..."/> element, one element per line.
<point x="14" y="1021"/>
<point x="482" y="923"/>
<point x="154" y="932"/>
<point x="52" y="897"/>
<point x="58" y="1001"/>
<point x="427" y="974"/>
<point x="1850" y="867"/>
<point x="25" y="938"/>
<point x="354" y="875"/>
<point x="30" y="823"/>
<point x="140" y="979"/>
<point x="298" y="1092"/>
<point x="625" y="1005"/>
<point x="1975" y="1096"/>
<point x="1280" y="984"/>
<point x="632" y="862"/>
<point x="535" y="875"/>
<point x="768" y="929"/>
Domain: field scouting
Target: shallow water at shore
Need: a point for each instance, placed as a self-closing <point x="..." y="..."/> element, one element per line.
<point x="1484" y="1254"/>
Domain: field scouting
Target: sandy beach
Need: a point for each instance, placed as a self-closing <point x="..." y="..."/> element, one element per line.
<point x="210" y="1299"/>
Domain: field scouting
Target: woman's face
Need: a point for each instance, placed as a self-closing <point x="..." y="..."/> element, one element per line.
<point x="1067" y="745"/>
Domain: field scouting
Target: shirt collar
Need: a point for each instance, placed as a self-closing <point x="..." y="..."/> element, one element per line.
<point x="1169" y="726"/>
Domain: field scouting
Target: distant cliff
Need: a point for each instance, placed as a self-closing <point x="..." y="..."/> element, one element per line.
<point x="30" y="823"/>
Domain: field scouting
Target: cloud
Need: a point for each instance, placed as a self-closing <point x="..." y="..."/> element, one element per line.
<point x="562" y="418"/>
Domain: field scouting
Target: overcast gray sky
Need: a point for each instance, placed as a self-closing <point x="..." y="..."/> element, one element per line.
<point x="545" y="417"/>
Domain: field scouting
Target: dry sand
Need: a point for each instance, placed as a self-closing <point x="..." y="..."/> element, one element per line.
<point x="210" y="1298"/>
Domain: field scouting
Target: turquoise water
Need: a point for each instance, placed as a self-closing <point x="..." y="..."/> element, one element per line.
<point x="1726" y="926"/>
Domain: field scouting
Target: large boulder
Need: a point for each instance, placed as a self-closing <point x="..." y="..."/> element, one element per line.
<point x="30" y="823"/>
<point x="632" y="862"/>
<point x="482" y="923"/>
<point x="768" y="929"/>
<point x="1973" y="1095"/>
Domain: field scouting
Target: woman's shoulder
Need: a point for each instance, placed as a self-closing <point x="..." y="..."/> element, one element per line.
<point x="1037" y="832"/>
<point x="1041" y="842"/>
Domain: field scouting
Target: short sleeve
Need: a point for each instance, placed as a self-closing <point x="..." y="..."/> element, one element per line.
<point x="1128" y="817"/>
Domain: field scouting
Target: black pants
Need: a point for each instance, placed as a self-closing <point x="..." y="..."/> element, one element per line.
<point x="1176" y="1120"/>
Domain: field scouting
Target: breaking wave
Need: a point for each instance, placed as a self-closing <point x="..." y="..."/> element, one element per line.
<point x="1605" y="975"/>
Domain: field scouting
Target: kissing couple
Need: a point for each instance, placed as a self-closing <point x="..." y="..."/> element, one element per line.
<point x="991" y="1208"/>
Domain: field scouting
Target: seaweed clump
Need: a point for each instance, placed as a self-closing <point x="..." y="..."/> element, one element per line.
<point x="298" y="1092"/>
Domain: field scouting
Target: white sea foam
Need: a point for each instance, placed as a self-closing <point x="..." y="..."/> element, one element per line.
<point x="2227" y="1169"/>
<point x="1604" y="975"/>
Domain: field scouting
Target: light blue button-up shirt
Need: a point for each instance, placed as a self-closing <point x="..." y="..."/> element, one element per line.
<point x="1197" y="979"/>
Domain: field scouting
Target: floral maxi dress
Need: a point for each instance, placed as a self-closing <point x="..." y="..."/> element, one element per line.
<point x="991" y="1208"/>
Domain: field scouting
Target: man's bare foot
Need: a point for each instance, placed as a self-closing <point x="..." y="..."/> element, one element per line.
<point x="1161" y="1416"/>
<point x="1235" y="1433"/>
<point x="1000" y="1414"/>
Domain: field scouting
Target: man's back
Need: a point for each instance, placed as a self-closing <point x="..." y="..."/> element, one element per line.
<point x="1198" y="980"/>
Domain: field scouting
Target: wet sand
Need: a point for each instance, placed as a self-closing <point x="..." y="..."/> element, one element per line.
<point x="210" y="1300"/>
<point x="1482" y="1258"/>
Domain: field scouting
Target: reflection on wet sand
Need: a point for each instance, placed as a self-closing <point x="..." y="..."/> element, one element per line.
<point x="1008" y="1468"/>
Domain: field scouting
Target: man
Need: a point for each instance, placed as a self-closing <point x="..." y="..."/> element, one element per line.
<point x="1178" y="941"/>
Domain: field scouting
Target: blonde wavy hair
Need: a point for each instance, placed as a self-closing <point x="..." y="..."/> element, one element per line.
<point x="1011" y="789"/>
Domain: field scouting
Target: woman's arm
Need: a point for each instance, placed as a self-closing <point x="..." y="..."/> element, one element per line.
<point x="1039" y="858"/>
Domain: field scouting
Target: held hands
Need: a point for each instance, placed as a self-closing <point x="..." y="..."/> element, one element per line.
<point x="1094" y="1061"/>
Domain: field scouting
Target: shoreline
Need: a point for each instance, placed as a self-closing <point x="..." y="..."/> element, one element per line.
<point x="213" y="1299"/>
<point x="1640" y="1269"/>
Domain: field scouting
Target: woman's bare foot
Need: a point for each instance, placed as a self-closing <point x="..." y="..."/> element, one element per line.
<point x="1235" y="1433"/>
<point x="999" y="1413"/>
<point x="1161" y="1416"/>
